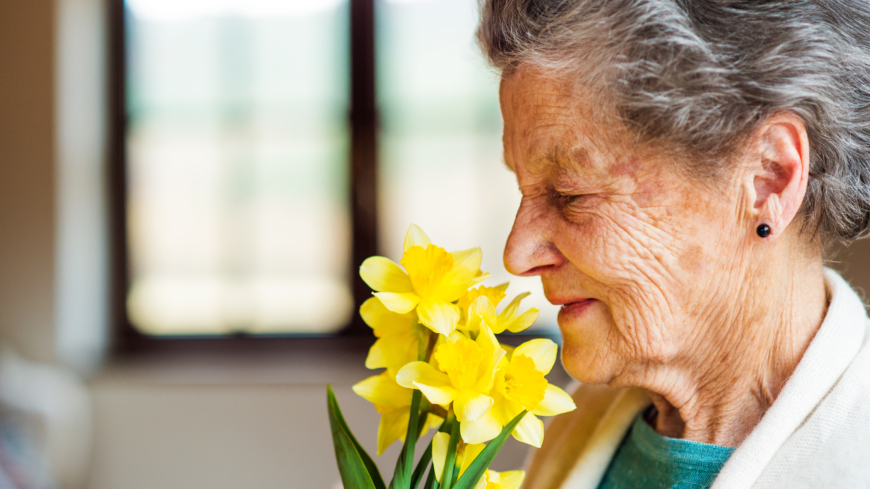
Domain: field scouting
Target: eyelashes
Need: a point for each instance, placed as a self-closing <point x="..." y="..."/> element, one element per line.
<point x="562" y="200"/>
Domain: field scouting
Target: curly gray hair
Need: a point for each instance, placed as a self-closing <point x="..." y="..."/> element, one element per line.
<point x="700" y="75"/>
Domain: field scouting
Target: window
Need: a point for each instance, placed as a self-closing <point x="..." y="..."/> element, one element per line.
<point x="247" y="164"/>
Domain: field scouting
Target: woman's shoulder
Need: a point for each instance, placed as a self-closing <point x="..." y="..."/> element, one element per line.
<point x="829" y="447"/>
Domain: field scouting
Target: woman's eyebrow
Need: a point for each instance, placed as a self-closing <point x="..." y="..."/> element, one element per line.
<point x="560" y="157"/>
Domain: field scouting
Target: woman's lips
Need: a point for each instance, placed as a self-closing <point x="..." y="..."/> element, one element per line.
<point x="576" y="307"/>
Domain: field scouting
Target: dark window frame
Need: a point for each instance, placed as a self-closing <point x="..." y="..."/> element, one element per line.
<point x="362" y="165"/>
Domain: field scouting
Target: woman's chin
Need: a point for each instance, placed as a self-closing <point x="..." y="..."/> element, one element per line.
<point x="586" y="330"/>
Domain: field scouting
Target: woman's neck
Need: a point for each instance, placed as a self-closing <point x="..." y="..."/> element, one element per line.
<point x="747" y="353"/>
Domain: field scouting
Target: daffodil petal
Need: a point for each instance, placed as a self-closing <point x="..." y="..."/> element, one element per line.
<point x="478" y="279"/>
<point x="470" y="406"/>
<point x="523" y="321"/>
<point x="541" y="350"/>
<point x="487" y="370"/>
<point x="467" y="261"/>
<point x="437" y="395"/>
<point x="513" y="306"/>
<point x="454" y="336"/>
<point x="466" y="264"/>
<point x="487" y="341"/>
<point x="471" y="453"/>
<point x="376" y="357"/>
<point x="530" y="430"/>
<point x="482" y="309"/>
<point x="384" y="321"/>
<point x="433" y="422"/>
<point x="383" y="391"/>
<point x="398" y="302"/>
<point x="393" y="352"/>
<point x="511" y="479"/>
<point x="509" y="350"/>
<point x="556" y="401"/>
<point x="505" y="410"/>
<point x="393" y="426"/>
<point x="440" y="443"/>
<point x="433" y="384"/>
<point x="384" y="275"/>
<point x="439" y="316"/>
<point x="484" y="429"/>
<point x="416" y="237"/>
<point x="421" y="372"/>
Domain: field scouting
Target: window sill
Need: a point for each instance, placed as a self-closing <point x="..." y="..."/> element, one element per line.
<point x="338" y="360"/>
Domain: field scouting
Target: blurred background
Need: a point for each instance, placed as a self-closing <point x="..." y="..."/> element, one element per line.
<point x="186" y="190"/>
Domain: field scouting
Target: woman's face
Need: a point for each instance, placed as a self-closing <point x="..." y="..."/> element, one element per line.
<point x="639" y="254"/>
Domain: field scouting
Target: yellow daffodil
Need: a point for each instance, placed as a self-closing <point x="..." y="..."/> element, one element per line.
<point x="495" y="295"/>
<point x="464" y="376"/>
<point x="393" y="402"/>
<point x="432" y="280"/>
<point x="511" y="479"/>
<point x="398" y="336"/>
<point x="482" y="309"/>
<point x="465" y="454"/>
<point x="520" y="385"/>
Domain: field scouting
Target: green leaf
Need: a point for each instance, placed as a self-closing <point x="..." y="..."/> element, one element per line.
<point x="405" y="464"/>
<point x="357" y="469"/>
<point x="475" y="471"/>
<point x="396" y="483"/>
<point x="411" y="439"/>
<point x="425" y="460"/>
<point x="421" y="467"/>
<point x="447" y="476"/>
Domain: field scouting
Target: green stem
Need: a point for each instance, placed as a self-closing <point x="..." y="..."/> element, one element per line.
<point x="411" y="439"/>
<point x="447" y="476"/>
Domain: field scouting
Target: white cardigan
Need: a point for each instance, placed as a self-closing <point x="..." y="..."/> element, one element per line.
<point x="815" y="435"/>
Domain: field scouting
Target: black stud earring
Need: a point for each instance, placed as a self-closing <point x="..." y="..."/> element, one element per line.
<point x="763" y="230"/>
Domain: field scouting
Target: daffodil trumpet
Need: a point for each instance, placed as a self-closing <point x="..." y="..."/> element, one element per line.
<point x="443" y="365"/>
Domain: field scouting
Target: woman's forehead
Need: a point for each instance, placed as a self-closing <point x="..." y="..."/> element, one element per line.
<point x="552" y="126"/>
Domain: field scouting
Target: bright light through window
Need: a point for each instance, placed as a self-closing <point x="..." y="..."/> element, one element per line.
<point x="441" y="159"/>
<point x="237" y="153"/>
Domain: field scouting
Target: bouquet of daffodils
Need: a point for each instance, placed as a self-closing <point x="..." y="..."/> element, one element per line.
<point x="445" y="369"/>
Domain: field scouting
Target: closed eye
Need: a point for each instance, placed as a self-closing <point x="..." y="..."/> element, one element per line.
<point x="562" y="199"/>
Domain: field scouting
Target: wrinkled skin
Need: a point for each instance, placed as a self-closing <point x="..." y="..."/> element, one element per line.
<point x="664" y="283"/>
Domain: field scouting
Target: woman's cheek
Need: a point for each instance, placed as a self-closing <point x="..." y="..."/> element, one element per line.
<point x="592" y="351"/>
<point x="596" y="242"/>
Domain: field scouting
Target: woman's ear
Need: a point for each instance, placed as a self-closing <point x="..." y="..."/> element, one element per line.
<point x="779" y="168"/>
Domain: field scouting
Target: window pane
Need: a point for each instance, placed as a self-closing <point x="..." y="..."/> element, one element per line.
<point x="442" y="165"/>
<point x="237" y="212"/>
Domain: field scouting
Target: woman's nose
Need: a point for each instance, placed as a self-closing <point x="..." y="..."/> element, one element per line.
<point x="529" y="249"/>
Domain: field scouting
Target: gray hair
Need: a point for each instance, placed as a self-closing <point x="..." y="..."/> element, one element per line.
<point x="700" y="75"/>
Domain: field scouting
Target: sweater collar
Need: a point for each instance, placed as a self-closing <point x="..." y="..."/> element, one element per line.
<point x="831" y="351"/>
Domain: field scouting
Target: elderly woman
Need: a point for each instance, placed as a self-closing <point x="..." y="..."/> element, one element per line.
<point x="683" y="164"/>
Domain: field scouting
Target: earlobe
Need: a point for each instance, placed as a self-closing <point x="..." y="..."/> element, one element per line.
<point x="780" y="172"/>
